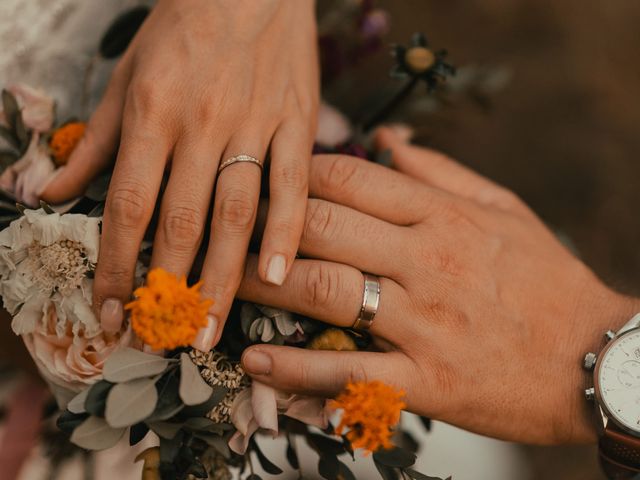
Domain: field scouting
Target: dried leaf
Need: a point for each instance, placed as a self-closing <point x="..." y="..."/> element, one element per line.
<point x="96" y="434"/>
<point x="131" y="402"/>
<point x="10" y="108"/>
<point x="129" y="364"/>
<point x="193" y="389"/>
<point x="46" y="207"/>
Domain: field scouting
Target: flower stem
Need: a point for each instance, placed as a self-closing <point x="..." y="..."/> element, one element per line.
<point x="391" y="105"/>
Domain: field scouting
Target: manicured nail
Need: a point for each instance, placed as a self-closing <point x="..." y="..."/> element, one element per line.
<point x="111" y="315"/>
<point x="206" y="336"/>
<point x="257" y="363"/>
<point x="276" y="270"/>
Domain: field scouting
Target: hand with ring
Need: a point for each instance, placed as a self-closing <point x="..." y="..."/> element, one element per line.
<point x="208" y="90"/>
<point x="481" y="316"/>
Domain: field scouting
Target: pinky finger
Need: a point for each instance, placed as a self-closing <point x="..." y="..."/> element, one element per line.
<point x="289" y="186"/>
<point x="323" y="373"/>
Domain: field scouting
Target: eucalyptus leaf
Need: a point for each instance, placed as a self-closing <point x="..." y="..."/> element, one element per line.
<point x="167" y="430"/>
<point x="193" y="389"/>
<point x="328" y="467"/>
<point x="96" y="434"/>
<point x="76" y="405"/>
<point x="219" y="443"/>
<point x="68" y="421"/>
<point x="131" y="402"/>
<point x="202" y="409"/>
<point x="199" y="423"/>
<point x="137" y="433"/>
<point x="387" y="473"/>
<point x="345" y="473"/>
<point x="415" y="475"/>
<point x="395" y="457"/>
<point x="21" y="133"/>
<point x="169" y="448"/>
<point x="97" y="190"/>
<point x="129" y="364"/>
<point x="97" y="398"/>
<point x="266" y="464"/>
<point x="169" y="403"/>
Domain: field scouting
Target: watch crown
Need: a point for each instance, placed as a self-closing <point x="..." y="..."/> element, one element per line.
<point x="590" y="394"/>
<point x="589" y="361"/>
<point x="610" y="335"/>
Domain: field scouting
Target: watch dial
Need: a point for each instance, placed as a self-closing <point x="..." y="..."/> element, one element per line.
<point x="619" y="380"/>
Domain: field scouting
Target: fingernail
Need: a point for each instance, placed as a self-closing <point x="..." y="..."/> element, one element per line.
<point x="257" y="363"/>
<point x="277" y="269"/>
<point x="111" y="315"/>
<point x="206" y="336"/>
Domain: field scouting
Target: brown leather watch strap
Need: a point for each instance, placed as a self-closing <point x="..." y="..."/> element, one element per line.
<point x="619" y="454"/>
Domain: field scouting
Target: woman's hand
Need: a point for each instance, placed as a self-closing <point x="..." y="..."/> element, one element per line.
<point x="484" y="316"/>
<point x="202" y="81"/>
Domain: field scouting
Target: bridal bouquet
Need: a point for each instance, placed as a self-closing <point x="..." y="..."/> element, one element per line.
<point x="200" y="407"/>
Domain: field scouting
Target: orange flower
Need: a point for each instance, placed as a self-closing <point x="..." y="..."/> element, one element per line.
<point x="370" y="411"/>
<point x="166" y="313"/>
<point x="64" y="141"/>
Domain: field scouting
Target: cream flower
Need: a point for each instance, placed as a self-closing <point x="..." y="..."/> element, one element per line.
<point x="27" y="177"/>
<point x="38" y="109"/>
<point x="258" y="407"/>
<point x="333" y="127"/>
<point x="72" y="362"/>
<point x="44" y="262"/>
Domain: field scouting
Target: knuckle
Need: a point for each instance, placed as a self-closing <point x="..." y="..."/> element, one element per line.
<point x="355" y="372"/>
<point x="318" y="221"/>
<point x="128" y="205"/>
<point x="340" y="176"/>
<point x="292" y="178"/>
<point x="111" y="276"/>
<point x="322" y="283"/>
<point x="144" y="94"/>
<point x="182" y="228"/>
<point x="236" y="211"/>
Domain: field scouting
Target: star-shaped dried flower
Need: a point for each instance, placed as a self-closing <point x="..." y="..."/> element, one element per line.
<point x="419" y="61"/>
<point x="167" y="313"/>
<point x="370" y="411"/>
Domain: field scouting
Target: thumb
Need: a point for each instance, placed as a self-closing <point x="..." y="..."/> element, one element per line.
<point x="94" y="152"/>
<point x="321" y="373"/>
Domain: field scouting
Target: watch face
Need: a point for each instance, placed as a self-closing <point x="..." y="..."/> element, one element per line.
<point x="618" y="380"/>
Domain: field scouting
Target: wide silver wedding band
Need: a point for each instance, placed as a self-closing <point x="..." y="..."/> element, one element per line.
<point x="370" y="302"/>
<point x="238" y="159"/>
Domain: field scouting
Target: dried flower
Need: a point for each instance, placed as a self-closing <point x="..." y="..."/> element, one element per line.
<point x="36" y="106"/>
<point x="267" y="324"/>
<point x="44" y="262"/>
<point x="370" y="411"/>
<point x="333" y="339"/>
<point x="418" y="61"/>
<point x="217" y="370"/>
<point x="64" y="141"/>
<point x="167" y="313"/>
<point x="259" y="406"/>
<point x="27" y="177"/>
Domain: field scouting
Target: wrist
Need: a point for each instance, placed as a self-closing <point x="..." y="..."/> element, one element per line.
<point x="605" y="310"/>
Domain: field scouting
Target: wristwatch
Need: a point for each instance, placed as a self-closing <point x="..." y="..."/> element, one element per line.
<point x="616" y="395"/>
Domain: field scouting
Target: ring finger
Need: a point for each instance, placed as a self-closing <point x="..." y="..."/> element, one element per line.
<point x="326" y="291"/>
<point x="234" y="213"/>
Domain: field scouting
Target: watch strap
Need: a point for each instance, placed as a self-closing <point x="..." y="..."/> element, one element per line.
<point x="619" y="454"/>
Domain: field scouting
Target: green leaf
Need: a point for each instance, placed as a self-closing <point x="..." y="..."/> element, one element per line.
<point x="131" y="402"/>
<point x="7" y="158"/>
<point x="76" y="405"/>
<point x="415" y="475"/>
<point x="22" y="134"/>
<point x="328" y="467"/>
<point x="200" y="423"/>
<point x="46" y="207"/>
<point x="10" y="108"/>
<point x="169" y="448"/>
<point x="67" y="421"/>
<point x="129" y="364"/>
<point x="97" y="190"/>
<point x="322" y="444"/>
<point x="202" y="409"/>
<point x="292" y="456"/>
<point x="395" y="458"/>
<point x="137" y="433"/>
<point x="219" y="443"/>
<point x="193" y="389"/>
<point x="97" y="398"/>
<point x="345" y="473"/>
<point x="387" y="473"/>
<point x="167" y="430"/>
<point x="265" y="463"/>
<point x="169" y="403"/>
<point x="96" y="434"/>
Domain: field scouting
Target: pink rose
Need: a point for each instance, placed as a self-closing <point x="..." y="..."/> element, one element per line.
<point x="259" y="406"/>
<point x="69" y="363"/>
<point x="37" y="107"/>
